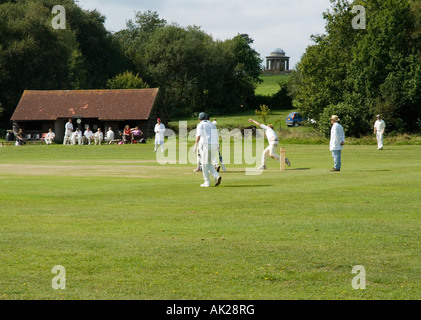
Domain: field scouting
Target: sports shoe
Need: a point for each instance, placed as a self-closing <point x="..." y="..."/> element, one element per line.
<point x="218" y="181"/>
<point x="334" y="170"/>
<point x="262" y="167"/>
<point x="288" y="162"/>
<point x="204" y="185"/>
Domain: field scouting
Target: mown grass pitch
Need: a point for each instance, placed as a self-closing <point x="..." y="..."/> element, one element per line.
<point x="125" y="227"/>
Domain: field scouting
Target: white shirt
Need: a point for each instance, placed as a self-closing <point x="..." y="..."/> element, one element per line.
<point x="77" y="134"/>
<point x="110" y="135"/>
<point x="270" y="133"/>
<point x="50" y="135"/>
<point x="160" y="132"/>
<point x="99" y="135"/>
<point x="379" y="125"/>
<point x="207" y="132"/>
<point x="68" y="126"/>
<point x="337" y="136"/>
<point x="88" y="134"/>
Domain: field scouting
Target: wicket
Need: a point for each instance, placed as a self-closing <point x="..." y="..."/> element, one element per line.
<point x="282" y="160"/>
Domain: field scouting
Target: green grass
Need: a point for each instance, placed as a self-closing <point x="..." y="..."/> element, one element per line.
<point x="125" y="227"/>
<point x="270" y="84"/>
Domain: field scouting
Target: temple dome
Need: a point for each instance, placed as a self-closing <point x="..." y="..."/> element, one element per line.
<point x="278" y="52"/>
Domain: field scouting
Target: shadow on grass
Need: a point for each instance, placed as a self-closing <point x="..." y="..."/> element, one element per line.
<point x="246" y="185"/>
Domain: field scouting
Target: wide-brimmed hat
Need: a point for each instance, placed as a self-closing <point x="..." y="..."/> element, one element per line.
<point x="334" y="118"/>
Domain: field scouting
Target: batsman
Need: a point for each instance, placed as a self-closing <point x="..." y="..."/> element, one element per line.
<point x="273" y="140"/>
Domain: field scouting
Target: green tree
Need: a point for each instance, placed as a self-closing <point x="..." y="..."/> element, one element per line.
<point x="33" y="55"/>
<point x="127" y="80"/>
<point x="360" y="73"/>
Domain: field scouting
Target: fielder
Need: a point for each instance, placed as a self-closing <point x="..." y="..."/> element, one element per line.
<point x="379" y="127"/>
<point x="159" y="135"/>
<point x="273" y="140"/>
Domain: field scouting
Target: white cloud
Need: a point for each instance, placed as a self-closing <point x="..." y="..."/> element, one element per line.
<point x="287" y="24"/>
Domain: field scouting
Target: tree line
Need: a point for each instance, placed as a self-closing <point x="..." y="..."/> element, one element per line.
<point x="193" y="71"/>
<point x="354" y="73"/>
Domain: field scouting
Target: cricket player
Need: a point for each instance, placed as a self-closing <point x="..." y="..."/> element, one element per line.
<point x="88" y="135"/>
<point x="49" y="138"/>
<point x="273" y="140"/>
<point x="77" y="135"/>
<point x="205" y="134"/>
<point x="68" y="130"/>
<point x="98" y="137"/>
<point x="379" y="127"/>
<point x="159" y="135"/>
<point x="337" y="141"/>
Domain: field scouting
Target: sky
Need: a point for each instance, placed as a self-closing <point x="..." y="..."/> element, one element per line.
<point x="272" y="24"/>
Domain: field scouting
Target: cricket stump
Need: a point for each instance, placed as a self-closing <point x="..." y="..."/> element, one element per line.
<point x="282" y="160"/>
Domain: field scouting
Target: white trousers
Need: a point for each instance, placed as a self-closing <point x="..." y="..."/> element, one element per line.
<point x="379" y="137"/>
<point x="208" y="153"/>
<point x="215" y="161"/>
<point x="79" y="140"/>
<point x="271" y="152"/>
<point x="67" y="137"/>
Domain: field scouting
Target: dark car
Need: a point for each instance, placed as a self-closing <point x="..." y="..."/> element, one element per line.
<point x="294" y="119"/>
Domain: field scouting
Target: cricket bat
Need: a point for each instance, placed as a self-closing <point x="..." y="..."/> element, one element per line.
<point x="222" y="162"/>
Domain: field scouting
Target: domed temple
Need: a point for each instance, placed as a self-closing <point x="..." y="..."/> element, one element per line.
<point x="277" y="61"/>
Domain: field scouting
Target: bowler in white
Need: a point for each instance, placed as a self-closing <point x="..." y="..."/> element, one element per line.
<point x="273" y="140"/>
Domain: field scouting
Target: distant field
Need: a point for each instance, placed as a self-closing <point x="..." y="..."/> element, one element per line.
<point x="126" y="227"/>
<point x="270" y="84"/>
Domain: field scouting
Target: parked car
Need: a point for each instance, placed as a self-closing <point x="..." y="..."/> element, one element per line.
<point x="294" y="119"/>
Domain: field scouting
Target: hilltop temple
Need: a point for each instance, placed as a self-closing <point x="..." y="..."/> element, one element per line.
<point x="277" y="62"/>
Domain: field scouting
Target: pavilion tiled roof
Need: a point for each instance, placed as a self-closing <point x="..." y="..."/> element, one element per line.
<point x="125" y="104"/>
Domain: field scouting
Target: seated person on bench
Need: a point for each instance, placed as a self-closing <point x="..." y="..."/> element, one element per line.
<point x="49" y="138"/>
<point x="99" y="136"/>
<point x="127" y="135"/>
<point x="110" y="135"/>
<point x="136" y="134"/>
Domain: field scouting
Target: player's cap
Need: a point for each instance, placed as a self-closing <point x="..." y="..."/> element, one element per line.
<point x="202" y="116"/>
